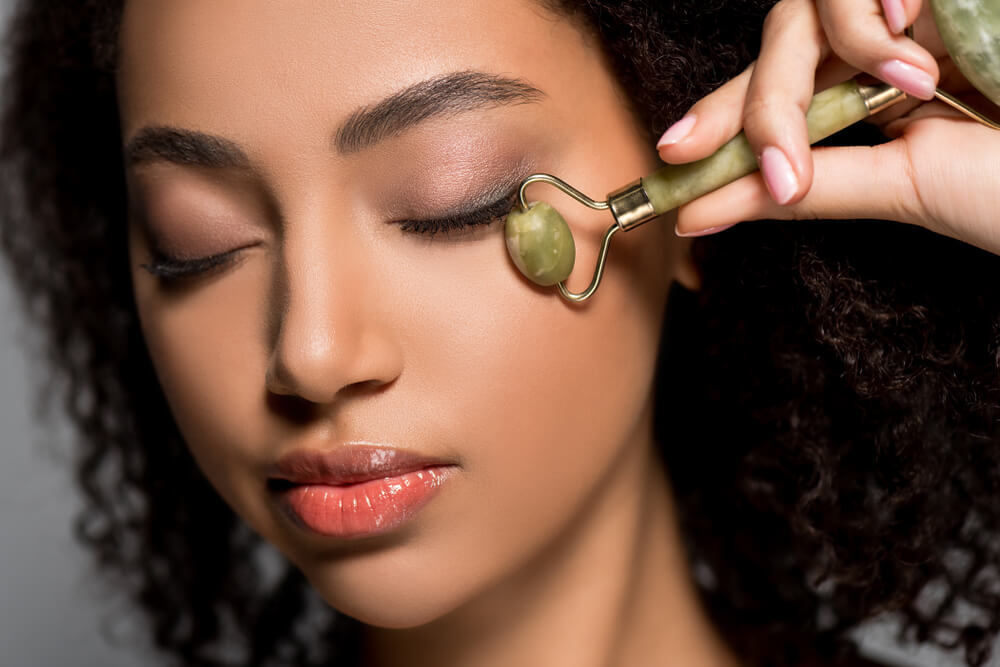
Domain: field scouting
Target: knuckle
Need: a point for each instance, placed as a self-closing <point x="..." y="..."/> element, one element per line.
<point x="892" y="166"/>
<point x="844" y="41"/>
<point x="761" y="109"/>
<point x="710" y="102"/>
<point x="799" y="16"/>
<point x="910" y="201"/>
<point x="852" y="37"/>
<point x="734" y="89"/>
<point x="780" y="15"/>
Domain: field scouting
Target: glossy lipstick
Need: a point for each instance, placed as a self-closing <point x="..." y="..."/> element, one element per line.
<point x="355" y="490"/>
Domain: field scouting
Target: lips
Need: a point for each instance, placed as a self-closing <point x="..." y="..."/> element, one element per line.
<point x="355" y="490"/>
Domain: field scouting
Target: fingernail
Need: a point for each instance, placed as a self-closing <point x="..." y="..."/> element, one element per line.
<point x="911" y="80"/>
<point x="677" y="131"/>
<point x="894" y="15"/>
<point x="778" y="174"/>
<point x="702" y="232"/>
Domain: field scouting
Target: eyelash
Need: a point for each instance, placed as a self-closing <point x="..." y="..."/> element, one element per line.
<point x="487" y="215"/>
<point x="172" y="270"/>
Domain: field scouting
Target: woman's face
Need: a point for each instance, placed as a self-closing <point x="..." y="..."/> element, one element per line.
<point x="335" y="326"/>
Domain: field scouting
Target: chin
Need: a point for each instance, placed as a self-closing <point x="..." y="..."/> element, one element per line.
<point x="397" y="599"/>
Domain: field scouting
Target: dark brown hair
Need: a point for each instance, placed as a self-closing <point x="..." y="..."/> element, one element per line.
<point x="827" y="401"/>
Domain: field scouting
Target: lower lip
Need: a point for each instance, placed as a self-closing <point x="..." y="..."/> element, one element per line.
<point x="364" y="509"/>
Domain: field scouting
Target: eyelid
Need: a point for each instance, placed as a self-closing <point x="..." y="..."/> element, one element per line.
<point x="172" y="269"/>
<point x="481" y="216"/>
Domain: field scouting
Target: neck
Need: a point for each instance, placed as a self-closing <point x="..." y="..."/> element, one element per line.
<point x="613" y="590"/>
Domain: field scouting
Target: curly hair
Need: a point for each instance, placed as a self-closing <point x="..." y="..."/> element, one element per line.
<point x="830" y="393"/>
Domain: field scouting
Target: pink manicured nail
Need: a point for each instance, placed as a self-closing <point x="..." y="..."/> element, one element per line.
<point x="911" y="80"/>
<point x="677" y="131"/>
<point x="894" y="15"/>
<point x="778" y="174"/>
<point x="703" y="232"/>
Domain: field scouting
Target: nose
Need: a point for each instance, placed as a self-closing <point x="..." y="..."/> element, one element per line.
<point x="332" y="330"/>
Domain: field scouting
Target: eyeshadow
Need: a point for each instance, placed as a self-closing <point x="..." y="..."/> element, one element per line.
<point x="445" y="191"/>
<point x="188" y="217"/>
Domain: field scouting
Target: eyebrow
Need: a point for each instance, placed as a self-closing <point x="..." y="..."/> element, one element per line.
<point x="441" y="96"/>
<point x="185" y="147"/>
<point x="444" y="95"/>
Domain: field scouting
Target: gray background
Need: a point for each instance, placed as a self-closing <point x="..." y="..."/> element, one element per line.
<point x="51" y="608"/>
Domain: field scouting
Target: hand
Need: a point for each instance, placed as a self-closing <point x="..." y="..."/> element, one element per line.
<point x="941" y="170"/>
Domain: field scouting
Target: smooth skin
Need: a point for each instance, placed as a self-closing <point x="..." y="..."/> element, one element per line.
<point x="554" y="542"/>
<point x="940" y="171"/>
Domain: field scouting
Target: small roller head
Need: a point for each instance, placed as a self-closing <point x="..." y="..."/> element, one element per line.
<point x="540" y="243"/>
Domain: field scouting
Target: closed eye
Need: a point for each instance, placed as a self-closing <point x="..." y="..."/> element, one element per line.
<point x="487" y="215"/>
<point x="172" y="269"/>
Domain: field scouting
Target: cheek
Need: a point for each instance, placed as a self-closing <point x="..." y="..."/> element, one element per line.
<point x="544" y="397"/>
<point x="207" y="345"/>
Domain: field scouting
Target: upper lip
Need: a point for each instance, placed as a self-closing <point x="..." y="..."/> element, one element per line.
<point x="349" y="464"/>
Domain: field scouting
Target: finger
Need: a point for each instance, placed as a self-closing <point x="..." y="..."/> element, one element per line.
<point x="877" y="178"/>
<point x="900" y="13"/>
<point x="718" y="117"/>
<point x="860" y="34"/>
<point x="779" y="94"/>
<point x="711" y="122"/>
<point x="897" y="126"/>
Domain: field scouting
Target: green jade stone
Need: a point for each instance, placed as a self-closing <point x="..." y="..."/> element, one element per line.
<point x="970" y="30"/>
<point x="830" y="111"/>
<point x="540" y="243"/>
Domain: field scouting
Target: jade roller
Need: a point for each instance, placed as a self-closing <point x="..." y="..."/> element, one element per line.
<point x="541" y="244"/>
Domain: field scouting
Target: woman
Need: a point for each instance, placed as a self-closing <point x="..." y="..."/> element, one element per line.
<point x="265" y="240"/>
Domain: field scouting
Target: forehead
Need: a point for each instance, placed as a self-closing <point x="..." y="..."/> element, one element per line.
<point x="194" y="63"/>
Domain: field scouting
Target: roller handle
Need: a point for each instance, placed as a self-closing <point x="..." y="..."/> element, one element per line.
<point x="830" y="111"/>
